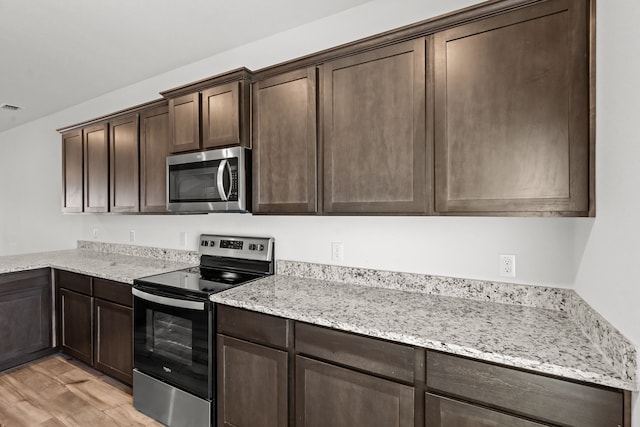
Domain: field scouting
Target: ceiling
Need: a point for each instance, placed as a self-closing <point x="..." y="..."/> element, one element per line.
<point x="55" y="54"/>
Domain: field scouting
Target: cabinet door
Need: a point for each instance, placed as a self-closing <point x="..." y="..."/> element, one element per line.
<point x="76" y="325"/>
<point x="442" y="412"/>
<point x="223" y="116"/>
<point x="285" y="144"/>
<point x="327" y="395"/>
<point x="25" y="316"/>
<point x="72" y="177"/>
<point x="184" y="122"/>
<point x="113" y="340"/>
<point x="155" y="146"/>
<point x="512" y="112"/>
<point x="96" y="169"/>
<point x="374" y="137"/>
<point x="252" y="384"/>
<point x="123" y="164"/>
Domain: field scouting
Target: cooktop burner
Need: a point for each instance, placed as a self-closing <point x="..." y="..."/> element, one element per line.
<point x="201" y="280"/>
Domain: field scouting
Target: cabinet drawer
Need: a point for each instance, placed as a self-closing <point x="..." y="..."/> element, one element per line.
<point x="547" y="399"/>
<point x="74" y="281"/>
<point x="117" y="292"/>
<point x="440" y="411"/>
<point x="369" y="354"/>
<point x="252" y="326"/>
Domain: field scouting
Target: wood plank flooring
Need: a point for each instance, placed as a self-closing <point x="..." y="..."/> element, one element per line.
<point x="57" y="391"/>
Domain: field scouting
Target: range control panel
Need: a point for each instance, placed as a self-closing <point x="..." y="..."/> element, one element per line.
<point x="256" y="248"/>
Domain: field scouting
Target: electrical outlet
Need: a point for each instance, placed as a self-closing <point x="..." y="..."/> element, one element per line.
<point x="337" y="251"/>
<point x="507" y="266"/>
<point x="95" y="233"/>
<point x="183" y="238"/>
<point x="132" y="235"/>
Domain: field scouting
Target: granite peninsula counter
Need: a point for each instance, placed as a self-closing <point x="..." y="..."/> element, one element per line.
<point x="538" y="339"/>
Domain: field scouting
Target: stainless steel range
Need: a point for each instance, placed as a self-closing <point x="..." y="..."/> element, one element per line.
<point x="174" y="327"/>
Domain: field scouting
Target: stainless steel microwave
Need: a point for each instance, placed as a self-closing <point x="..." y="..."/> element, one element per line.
<point x="209" y="181"/>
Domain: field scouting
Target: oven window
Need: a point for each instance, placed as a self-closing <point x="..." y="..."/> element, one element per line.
<point x="169" y="337"/>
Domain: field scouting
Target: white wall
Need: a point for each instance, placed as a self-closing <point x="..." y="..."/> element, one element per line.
<point x="607" y="276"/>
<point x="599" y="257"/>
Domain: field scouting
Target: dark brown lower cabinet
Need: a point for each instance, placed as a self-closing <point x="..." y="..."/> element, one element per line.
<point x="96" y="323"/>
<point x="443" y="412"/>
<point x="328" y="395"/>
<point x="252" y="384"/>
<point x="113" y="335"/>
<point x="76" y="337"/>
<point x="340" y="379"/>
<point x="25" y="316"/>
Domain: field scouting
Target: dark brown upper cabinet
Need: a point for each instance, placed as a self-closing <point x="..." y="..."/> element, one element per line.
<point x="184" y="122"/>
<point x="211" y="113"/>
<point x="512" y="113"/>
<point x="123" y="164"/>
<point x="373" y="126"/>
<point x="285" y="143"/>
<point x="96" y="168"/>
<point x="72" y="172"/>
<point x="155" y="145"/>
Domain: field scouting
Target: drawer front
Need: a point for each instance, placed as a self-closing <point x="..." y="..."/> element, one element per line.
<point x="443" y="412"/>
<point x="369" y="354"/>
<point x="252" y="326"/>
<point x="74" y="281"/>
<point x="117" y="292"/>
<point x="546" y="399"/>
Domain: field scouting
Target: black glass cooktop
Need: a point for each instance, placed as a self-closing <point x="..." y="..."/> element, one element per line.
<point x="203" y="280"/>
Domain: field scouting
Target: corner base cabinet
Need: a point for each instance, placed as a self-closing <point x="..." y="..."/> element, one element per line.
<point x="277" y="372"/>
<point x="25" y="316"/>
<point x="95" y="323"/>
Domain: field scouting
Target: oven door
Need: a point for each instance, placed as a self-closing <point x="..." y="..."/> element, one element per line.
<point x="173" y="340"/>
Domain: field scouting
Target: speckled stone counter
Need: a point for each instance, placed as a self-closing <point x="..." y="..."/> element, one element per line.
<point x="106" y="265"/>
<point x="534" y="338"/>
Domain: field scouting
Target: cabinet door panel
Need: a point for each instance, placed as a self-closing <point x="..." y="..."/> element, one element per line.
<point x="25" y="313"/>
<point x="512" y="112"/>
<point x="124" y="164"/>
<point x="76" y="325"/>
<point x="72" y="176"/>
<point x="184" y="122"/>
<point x="284" y="143"/>
<point x="113" y="340"/>
<point x="96" y="169"/>
<point x="221" y="116"/>
<point x="374" y="131"/>
<point x="442" y="412"/>
<point x="327" y="395"/>
<point x="155" y="145"/>
<point x="252" y="384"/>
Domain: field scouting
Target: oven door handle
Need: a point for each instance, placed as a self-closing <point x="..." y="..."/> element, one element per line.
<point x="172" y="302"/>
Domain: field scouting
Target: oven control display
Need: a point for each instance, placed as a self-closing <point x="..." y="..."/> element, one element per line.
<point x="231" y="244"/>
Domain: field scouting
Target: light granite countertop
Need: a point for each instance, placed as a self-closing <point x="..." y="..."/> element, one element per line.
<point x="106" y="265"/>
<point x="533" y="338"/>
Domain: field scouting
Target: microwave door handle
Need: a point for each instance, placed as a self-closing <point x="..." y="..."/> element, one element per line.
<point x="224" y="195"/>
<point x="220" y="180"/>
<point x="171" y="302"/>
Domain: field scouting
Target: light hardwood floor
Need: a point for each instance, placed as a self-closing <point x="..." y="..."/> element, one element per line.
<point x="57" y="391"/>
